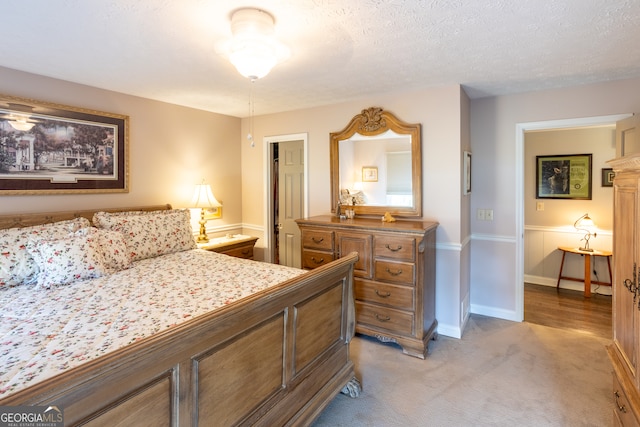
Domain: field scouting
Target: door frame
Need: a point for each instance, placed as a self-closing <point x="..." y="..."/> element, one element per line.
<point x="268" y="171"/>
<point x="521" y="128"/>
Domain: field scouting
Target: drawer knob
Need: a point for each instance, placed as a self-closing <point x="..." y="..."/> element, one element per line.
<point x="383" y="295"/>
<point x="396" y="249"/>
<point x="621" y="408"/>
<point x="320" y="261"/>
<point x="382" y="318"/>
<point x="394" y="273"/>
<point x="316" y="240"/>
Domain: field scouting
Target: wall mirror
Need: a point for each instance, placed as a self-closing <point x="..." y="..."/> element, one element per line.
<point x="376" y="165"/>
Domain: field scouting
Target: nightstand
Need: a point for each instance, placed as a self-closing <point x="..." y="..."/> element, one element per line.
<point x="237" y="245"/>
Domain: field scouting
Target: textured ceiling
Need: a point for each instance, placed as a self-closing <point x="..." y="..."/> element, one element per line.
<point x="342" y="50"/>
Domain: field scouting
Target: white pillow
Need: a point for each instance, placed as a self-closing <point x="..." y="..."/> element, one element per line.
<point x="17" y="266"/>
<point x="112" y="246"/>
<point x="150" y="234"/>
<point x="64" y="261"/>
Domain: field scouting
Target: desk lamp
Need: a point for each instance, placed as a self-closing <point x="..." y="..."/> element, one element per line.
<point x="585" y="223"/>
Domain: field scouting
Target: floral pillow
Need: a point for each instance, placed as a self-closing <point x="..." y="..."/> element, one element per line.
<point x="150" y="234"/>
<point x="17" y="266"/>
<point x="66" y="260"/>
<point x="112" y="246"/>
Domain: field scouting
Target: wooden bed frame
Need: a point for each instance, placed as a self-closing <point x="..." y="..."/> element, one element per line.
<point x="277" y="357"/>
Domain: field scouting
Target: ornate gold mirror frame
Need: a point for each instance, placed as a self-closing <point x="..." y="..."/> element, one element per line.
<point x="370" y="124"/>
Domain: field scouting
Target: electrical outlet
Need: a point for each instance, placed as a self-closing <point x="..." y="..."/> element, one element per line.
<point x="540" y="206"/>
<point x="481" y="215"/>
<point x="488" y="214"/>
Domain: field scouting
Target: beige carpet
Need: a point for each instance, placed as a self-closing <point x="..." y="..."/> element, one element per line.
<point x="500" y="373"/>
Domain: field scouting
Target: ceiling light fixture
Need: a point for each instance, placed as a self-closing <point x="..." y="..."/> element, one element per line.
<point x="254" y="50"/>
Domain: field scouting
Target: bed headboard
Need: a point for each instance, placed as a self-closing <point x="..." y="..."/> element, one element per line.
<point x="36" y="218"/>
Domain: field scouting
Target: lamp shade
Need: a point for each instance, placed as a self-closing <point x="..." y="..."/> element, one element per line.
<point x="203" y="197"/>
<point x="585" y="223"/>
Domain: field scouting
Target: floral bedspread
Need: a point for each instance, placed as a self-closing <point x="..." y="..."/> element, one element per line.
<point x="44" y="332"/>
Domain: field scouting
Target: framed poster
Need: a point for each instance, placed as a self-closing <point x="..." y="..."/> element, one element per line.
<point x="563" y="177"/>
<point x="49" y="148"/>
<point x="607" y="177"/>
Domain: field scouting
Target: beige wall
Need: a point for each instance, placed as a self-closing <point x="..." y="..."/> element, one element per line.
<point x="598" y="141"/>
<point x="496" y="289"/>
<point x="552" y="227"/>
<point x="172" y="148"/>
<point x="440" y="111"/>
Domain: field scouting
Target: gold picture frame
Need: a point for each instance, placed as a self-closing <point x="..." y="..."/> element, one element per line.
<point x="369" y="174"/>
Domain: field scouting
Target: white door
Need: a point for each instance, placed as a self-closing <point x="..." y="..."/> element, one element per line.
<point x="290" y="200"/>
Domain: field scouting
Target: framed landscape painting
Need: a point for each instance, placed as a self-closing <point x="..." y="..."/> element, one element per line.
<point x="48" y="148"/>
<point x="563" y="177"/>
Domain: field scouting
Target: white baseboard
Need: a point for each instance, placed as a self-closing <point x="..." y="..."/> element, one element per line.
<point x="494" y="312"/>
<point x="449" y="330"/>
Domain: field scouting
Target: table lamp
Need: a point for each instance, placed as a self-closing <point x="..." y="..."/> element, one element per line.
<point x="585" y="223"/>
<point x="204" y="199"/>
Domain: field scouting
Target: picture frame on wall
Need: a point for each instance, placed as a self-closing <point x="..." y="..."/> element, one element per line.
<point x="564" y="176"/>
<point x="607" y="177"/>
<point x="466" y="176"/>
<point x="48" y="148"/>
<point x="369" y="174"/>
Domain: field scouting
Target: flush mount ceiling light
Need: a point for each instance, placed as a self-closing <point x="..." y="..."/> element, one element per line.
<point x="254" y="50"/>
<point x="19" y="117"/>
<point x="21" y="124"/>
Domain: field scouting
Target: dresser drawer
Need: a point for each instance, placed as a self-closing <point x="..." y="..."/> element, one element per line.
<point x="386" y="294"/>
<point x="622" y="412"/>
<point x="317" y="239"/>
<point x="394" y="321"/>
<point x="361" y="243"/>
<point x="314" y="259"/>
<point x="403" y="248"/>
<point x="396" y="272"/>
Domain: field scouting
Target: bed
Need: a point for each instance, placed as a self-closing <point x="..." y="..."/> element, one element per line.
<point x="272" y="353"/>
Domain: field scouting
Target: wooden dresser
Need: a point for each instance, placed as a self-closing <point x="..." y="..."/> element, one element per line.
<point x="625" y="349"/>
<point x="394" y="276"/>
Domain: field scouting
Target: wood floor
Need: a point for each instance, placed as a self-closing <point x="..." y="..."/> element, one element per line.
<point x="567" y="309"/>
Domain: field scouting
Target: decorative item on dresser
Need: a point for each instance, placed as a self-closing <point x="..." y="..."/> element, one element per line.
<point x="625" y="349"/>
<point x="394" y="277"/>
<point x="237" y="245"/>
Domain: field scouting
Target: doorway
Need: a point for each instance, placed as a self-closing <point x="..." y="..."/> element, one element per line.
<point x="285" y="196"/>
<point x="521" y="129"/>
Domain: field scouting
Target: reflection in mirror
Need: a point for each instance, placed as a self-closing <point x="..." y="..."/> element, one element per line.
<point x="376" y="170"/>
<point x="376" y="165"/>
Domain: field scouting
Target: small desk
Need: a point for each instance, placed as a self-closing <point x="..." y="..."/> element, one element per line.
<point x="587" y="268"/>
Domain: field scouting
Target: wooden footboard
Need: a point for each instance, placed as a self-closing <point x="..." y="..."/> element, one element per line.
<point x="275" y="358"/>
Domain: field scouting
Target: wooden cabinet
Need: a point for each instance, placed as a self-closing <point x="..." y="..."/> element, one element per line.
<point x="394" y="277"/>
<point x="238" y="245"/>
<point x="625" y="348"/>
